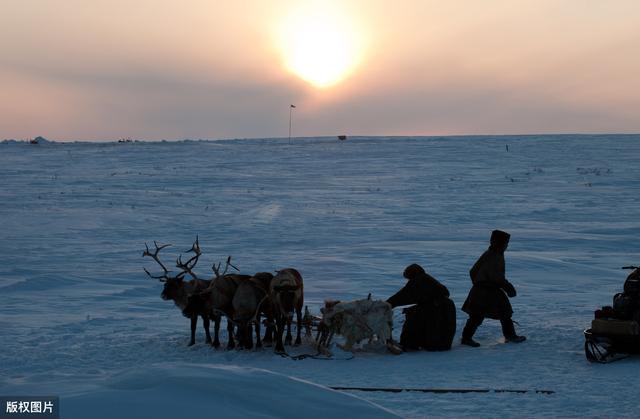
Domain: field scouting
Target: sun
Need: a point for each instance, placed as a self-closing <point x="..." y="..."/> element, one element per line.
<point x="320" y="45"/>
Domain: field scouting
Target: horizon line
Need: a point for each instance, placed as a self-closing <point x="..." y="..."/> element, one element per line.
<point x="393" y="136"/>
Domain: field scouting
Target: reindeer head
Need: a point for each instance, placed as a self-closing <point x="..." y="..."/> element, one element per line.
<point x="286" y="289"/>
<point x="286" y="296"/>
<point x="173" y="284"/>
<point x="263" y="279"/>
<point x="328" y="305"/>
<point x="172" y="287"/>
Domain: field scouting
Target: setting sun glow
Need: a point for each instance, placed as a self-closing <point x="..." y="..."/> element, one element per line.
<point x="320" y="46"/>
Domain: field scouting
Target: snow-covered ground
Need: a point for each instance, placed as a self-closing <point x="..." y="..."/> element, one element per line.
<point x="80" y="319"/>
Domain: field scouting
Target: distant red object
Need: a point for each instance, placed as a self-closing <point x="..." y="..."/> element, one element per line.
<point x="342" y="137"/>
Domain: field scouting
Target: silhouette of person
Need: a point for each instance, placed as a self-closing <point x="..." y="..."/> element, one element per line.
<point x="488" y="295"/>
<point x="430" y="323"/>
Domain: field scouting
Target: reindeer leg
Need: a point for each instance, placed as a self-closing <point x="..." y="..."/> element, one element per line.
<point x="231" y="343"/>
<point x="287" y="340"/>
<point x="206" y="323"/>
<point x="242" y="336"/>
<point x="194" y="323"/>
<point x="299" y="326"/>
<point x="248" y="336"/>
<point x="320" y="336"/>
<point x="258" y="342"/>
<point x="279" y="332"/>
<point x="216" y="331"/>
<point x="268" y="334"/>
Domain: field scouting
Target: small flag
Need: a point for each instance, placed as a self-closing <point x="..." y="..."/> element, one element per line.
<point x="293" y="106"/>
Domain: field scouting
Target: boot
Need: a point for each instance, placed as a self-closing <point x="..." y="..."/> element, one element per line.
<point x="515" y="339"/>
<point x="509" y="331"/>
<point x="469" y="342"/>
<point x="468" y="331"/>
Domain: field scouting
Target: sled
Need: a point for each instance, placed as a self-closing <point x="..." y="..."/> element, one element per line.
<point x="615" y="331"/>
<point x="357" y="321"/>
<point x="604" y="348"/>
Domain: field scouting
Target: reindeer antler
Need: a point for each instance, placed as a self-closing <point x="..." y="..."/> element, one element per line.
<point x="216" y="269"/>
<point x="154" y="256"/>
<point x="187" y="267"/>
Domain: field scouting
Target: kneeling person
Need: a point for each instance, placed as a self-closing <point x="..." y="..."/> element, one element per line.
<point x="430" y="323"/>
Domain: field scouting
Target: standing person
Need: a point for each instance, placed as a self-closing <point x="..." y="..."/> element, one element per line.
<point x="430" y="324"/>
<point x="488" y="295"/>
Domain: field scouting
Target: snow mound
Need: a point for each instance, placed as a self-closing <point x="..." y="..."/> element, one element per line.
<point x="198" y="390"/>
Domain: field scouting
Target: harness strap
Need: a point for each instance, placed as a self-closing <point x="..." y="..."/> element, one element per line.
<point x="318" y="355"/>
<point x="255" y="315"/>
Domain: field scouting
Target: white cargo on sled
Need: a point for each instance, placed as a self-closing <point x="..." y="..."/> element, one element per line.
<point x="356" y="321"/>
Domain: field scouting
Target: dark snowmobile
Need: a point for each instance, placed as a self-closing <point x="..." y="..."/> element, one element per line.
<point x="615" y="330"/>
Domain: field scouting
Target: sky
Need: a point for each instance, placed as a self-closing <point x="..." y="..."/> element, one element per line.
<point x="167" y="69"/>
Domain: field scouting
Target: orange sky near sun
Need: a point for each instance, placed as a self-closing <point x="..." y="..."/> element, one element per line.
<point x="200" y="69"/>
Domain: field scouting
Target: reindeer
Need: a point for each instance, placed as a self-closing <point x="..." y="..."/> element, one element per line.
<point x="178" y="289"/>
<point x="287" y="295"/>
<point x="250" y="301"/>
<point x="217" y="300"/>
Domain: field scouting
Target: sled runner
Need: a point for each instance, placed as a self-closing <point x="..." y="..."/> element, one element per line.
<point x="605" y="348"/>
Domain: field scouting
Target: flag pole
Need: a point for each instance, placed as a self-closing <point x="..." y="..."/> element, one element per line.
<point x="290" y="110"/>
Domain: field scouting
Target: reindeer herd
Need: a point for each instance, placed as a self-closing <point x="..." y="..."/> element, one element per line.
<point x="242" y="299"/>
